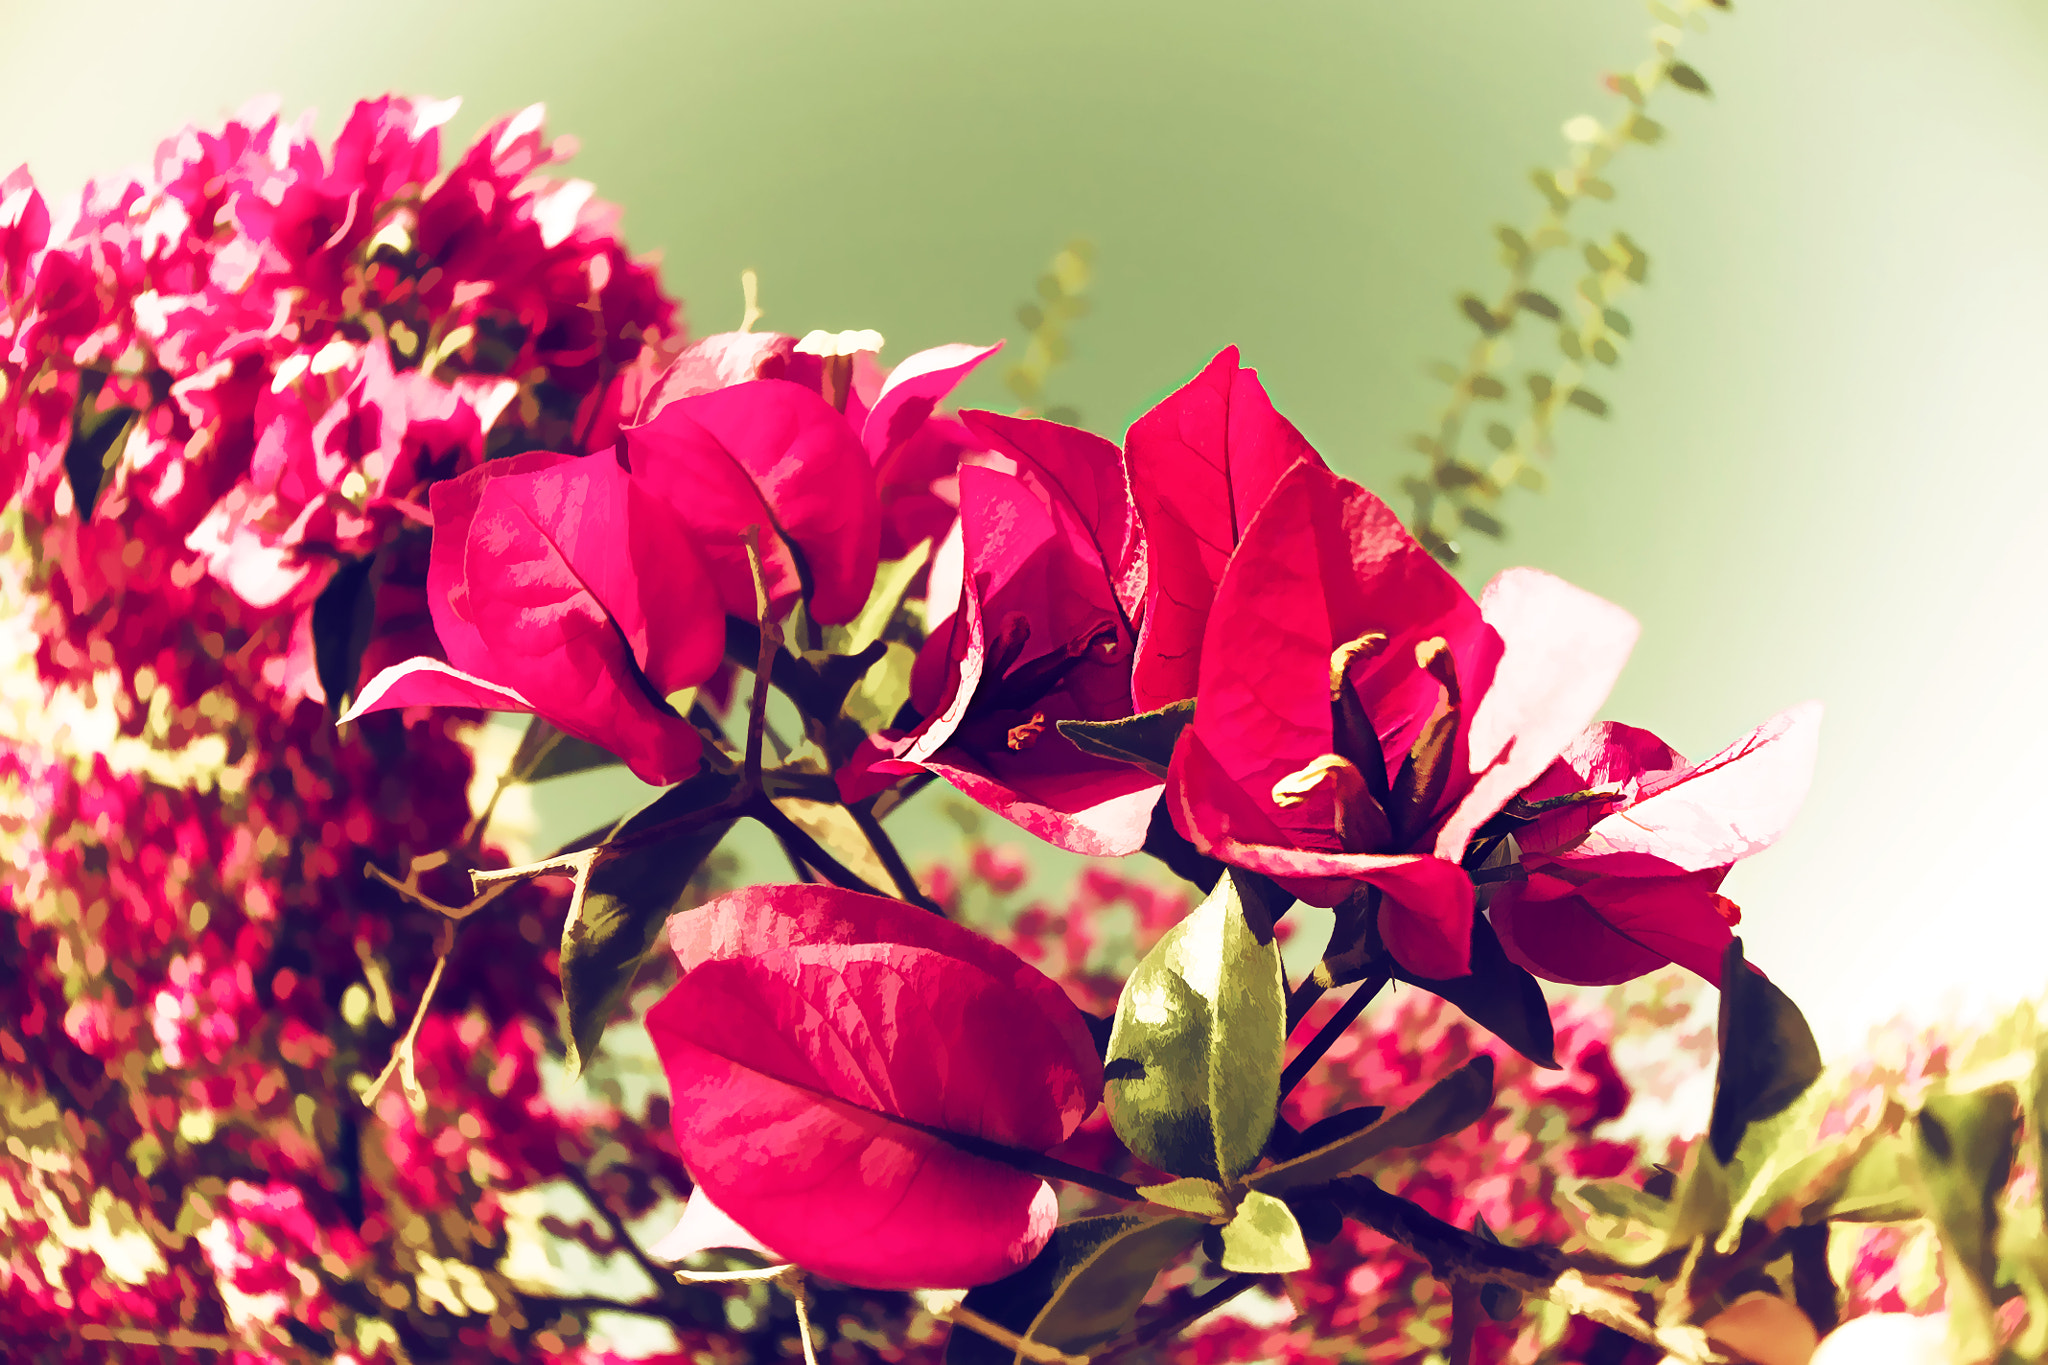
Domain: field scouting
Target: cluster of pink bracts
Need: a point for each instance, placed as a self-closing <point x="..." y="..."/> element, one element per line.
<point x="264" y="375"/>
<point x="1359" y="720"/>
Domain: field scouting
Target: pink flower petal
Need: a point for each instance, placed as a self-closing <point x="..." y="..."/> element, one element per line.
<point x="1614" y="929"/>
<point x="770" y="454"/>
<point x="706" y="1227"/>
<point x="1735" y="804"/>
<point x="914" y="388"/>
<point x="1561" y="650"/>
<point x="1202" y="464"/>
<point x="1082" y="478"/>
<point x="429" y="682"/>
<point x="818" y="1046"/>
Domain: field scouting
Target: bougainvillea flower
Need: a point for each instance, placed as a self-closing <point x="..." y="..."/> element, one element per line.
<point x="561" y="588"/>
<point x="820" y="1048"/>
<point x="1359" y="716"/>
<point x="330" y="478"/>
<point x="1202" y="463"/>
<point x="1628" y="879"/>
<point x="1052" y="585"/>
<point x="916" y="450"/>
<point x="913" y="449"/>
<point x="767" y="453"/>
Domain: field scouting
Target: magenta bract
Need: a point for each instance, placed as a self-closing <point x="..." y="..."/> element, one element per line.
<point x="1359" y="716"/>
<point x="819" y="1048"/>
<point x="1051" y="585"/>
<point x="1202" y="463"/>
<point x="562" y="588"/>
<point x="1621" y="884"/>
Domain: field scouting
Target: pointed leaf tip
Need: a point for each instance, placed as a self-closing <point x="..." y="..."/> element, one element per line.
<point x="1197" y="1046"/>
<point x="1768" y="1054"/>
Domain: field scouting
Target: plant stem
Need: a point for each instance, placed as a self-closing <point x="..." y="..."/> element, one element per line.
<point x="892" y="860"/>
<point x="1173" y="1322"/>
<point x="1348" y="1012"/>
<point x="801" y="845"/>
<point x="1302" y="999"/>
<point x="1036" y="1163"/>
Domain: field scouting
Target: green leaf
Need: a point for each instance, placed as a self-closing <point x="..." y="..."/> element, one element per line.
<point x="546" y="752"/>
<point x="1540" y="304"/>
<point x="1486" y="386"/>
<point x="892" y="580"/>
<point x="1617" y="322"/>
<point x="1702" y="1200"/>
<point x="1768" y="1055"/>
<point x="1263" y="1239"/>
<point x="1879" y="1188"/>
<point x="344" y="614"/>
<point x="1485" y="523"/>
<point x="1685" y="78"/>
<point x="1078" y="1292"/>
<point x="1618" y="1220"/>
<point x="1588" y="401"/>
<point x="1341" y="1124"/>
<point x="1145" y="740"/>
<point x="623" y="907"/>
<point x="1800" y="1173"/>
<point x="1452" y="1104"/>
<point x="1963" y="1151"/>
<point x="1481" y="316"/>
<point x="97" y="437"/>
<point x="1498" y="995"/>
<point x="1203" y="1198"/>
<point x="1197" y="1049"/>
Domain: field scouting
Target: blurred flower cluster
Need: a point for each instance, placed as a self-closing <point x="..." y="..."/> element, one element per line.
<point x="225" y="387"/>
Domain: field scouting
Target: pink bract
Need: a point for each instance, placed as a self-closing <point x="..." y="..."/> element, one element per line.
<point x="1330" y="615"/>
<point x="1202" y="464"/>
<point x="1620" y="884"/>
<point x="820" y="1043"/>
<point x="560" y="587"/>
<point x="770" y="455"/>
<point x="1052" y="584"/>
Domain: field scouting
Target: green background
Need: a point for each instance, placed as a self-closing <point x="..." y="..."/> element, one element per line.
<point x="1823" y="475"/>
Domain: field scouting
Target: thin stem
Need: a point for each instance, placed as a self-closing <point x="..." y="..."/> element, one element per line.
<point x="402" y="1056"/>
<point x="793" y="1281"/>
<point x="1302" y="999"/>
<point x="1464" y="1322"/>
<point x="769" y="645"/>
<point x="410" y="890"/>
<point x="797" y="866"/>
<point x="960" y="1315"/>
<point x="799" y="844"/>
<point x="1452" y="1252"/>
<point x="1172" y="1323"/>
<point x="892" y="860"/>
<point x="1036" y="1163"/>
<point x="1347" y="1013"/>
<point x="621" y="1234"/>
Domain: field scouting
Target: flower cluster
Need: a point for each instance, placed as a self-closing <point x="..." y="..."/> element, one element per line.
<point x="246" y="368"/>
<point x="284" y="425"/>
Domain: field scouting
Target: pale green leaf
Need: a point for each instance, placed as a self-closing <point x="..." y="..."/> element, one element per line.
<point x="1195" y="1055"/>
<point x="1203" y="1198"/>
<point x="891" y="581"/>
<point x="1263" y="1239"/>
<point x="1452" y="1104"/>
